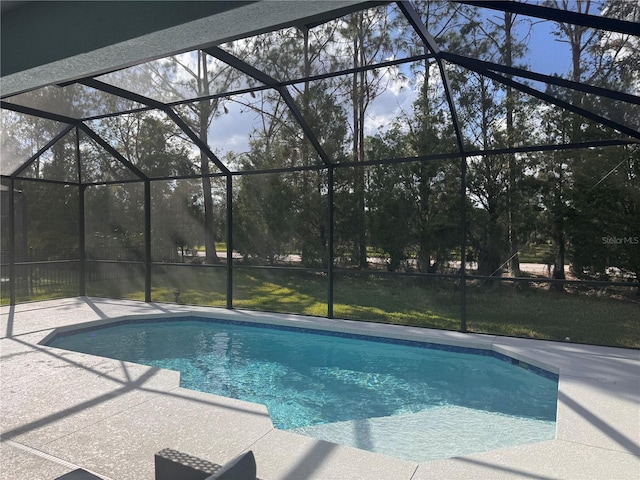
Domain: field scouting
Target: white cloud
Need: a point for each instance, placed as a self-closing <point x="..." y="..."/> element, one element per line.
<point x="230" y="131"/>
<point x="389" y="106"/>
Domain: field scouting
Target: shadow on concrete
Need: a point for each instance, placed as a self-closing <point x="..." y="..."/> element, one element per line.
<point x="122" y="387"/>
<point x="311" y="461"/>
<point x="93" y="306"/>
<point x="516" y="472"/>
<point x="620" y="438"/>
<point x="41" y="422"/>
<point x="10" y="319"/>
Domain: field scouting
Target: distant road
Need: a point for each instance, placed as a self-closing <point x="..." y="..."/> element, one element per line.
<point x="531" y="268"/>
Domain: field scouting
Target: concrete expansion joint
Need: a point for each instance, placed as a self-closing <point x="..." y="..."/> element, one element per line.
<point x="261" y="437"/>
<point x="595" y="378"/>
<point x="47" y="456"/>
<point x="600" y="447"/>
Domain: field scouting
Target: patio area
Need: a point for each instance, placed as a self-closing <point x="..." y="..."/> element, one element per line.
<point x="63" y="410"/>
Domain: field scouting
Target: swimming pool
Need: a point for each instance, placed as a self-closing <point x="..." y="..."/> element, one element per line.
<point x="404" y="398"/>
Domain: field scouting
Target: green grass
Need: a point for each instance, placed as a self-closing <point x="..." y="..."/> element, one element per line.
<point x="532" y="313"/>
<point x="585" y="317"/>
<point x="554" y="316"/>
<point x="403" y="301"/>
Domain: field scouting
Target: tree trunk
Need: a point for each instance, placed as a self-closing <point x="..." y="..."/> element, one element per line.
<point x="559" y="236"/>
<point x="514" y="244"/>
<point x="574" y="35"/>
<point x="204" y="113"/>
<point x="358" y="111"/>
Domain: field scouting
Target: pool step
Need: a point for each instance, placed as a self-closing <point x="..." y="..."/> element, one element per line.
<point x="438" y="432"/>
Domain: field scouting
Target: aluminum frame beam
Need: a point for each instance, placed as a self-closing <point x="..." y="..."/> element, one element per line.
<point x="259" y="75"/>
<point x="561" y="82"/>
<point x="35" y="156"/>
<point x="35" y="112"/>
<point x="560" y="103"/>
<point x="100" y="141"/>
<point x="120" y="92"/>
<point x="557" y="15"/>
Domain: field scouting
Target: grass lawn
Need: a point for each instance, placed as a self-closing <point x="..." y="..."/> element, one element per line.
<point x="504" y="310"/>
<point x="555" y="316"/>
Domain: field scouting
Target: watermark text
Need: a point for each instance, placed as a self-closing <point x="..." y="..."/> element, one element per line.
<point x="621" y="240"/>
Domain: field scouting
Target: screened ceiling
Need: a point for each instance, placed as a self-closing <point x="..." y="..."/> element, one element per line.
<point x="406" y="48"/>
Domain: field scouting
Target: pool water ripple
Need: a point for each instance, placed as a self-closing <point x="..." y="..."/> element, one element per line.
<point x="382" y="397"/>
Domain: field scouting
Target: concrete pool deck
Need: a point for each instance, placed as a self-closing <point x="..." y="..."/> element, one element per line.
<point x="62" y="410"/>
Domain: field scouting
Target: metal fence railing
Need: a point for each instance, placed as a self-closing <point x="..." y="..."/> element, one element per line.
<point x="35" y="280"/>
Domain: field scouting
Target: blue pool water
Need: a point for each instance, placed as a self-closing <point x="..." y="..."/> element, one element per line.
<point x="388" y="396"/>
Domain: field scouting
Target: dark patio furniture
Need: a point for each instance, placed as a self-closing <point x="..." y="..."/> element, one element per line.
<point x="78" y="474"/>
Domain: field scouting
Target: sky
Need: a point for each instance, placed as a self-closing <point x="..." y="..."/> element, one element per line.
<point x="545" y="55"/>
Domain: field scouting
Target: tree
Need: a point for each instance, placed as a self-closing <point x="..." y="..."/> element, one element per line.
<point x="604" y="203"/>
<point x="176" y="219"/>
<point x="508" y="49"/>
<point x="481" y="111"/>
<point x="52" y="209"/>
<point x="148" y="141"/>
<point x="328" y="120"/>
<point x="264" y="209"/>
<point x="560" y="175"/>
<point x="433" y="186"/>
<point x="414" y="208"/>
<point x="391" y="206"/>
<point x="279" y="142"/>
<point x="495" y="116"/>
<point x="52" y="226"/>
<point x="197" y="74"/>
<point x="366" y="39"/>
<point x="600" y="59"/>
<point x="604" y="215"/>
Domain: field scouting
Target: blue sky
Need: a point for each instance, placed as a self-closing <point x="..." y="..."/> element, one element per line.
<point x="546" y="54"/>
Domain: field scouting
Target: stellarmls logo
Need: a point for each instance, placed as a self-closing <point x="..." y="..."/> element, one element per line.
<point x="620" y="240"/>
